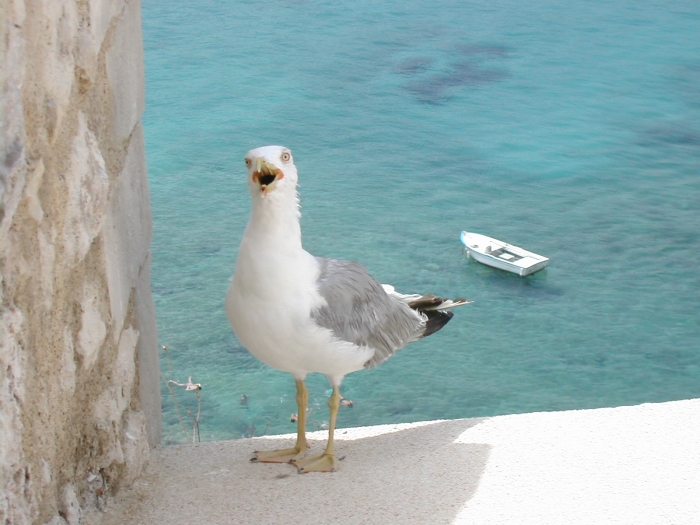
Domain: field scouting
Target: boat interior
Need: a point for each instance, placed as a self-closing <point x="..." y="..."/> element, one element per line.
<point x="502" y="253"/>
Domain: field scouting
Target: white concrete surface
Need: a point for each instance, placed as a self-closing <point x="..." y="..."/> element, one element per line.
<point x="626" y="465"/>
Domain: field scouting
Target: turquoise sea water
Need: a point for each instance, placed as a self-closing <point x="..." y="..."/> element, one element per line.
<point x="571" y="129"/>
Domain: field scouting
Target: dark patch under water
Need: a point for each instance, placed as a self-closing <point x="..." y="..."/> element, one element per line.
<point x="471" y="72"/>
<point x="412" y="66"/>
<point x="435" y="89"/>
<point x="483" y="50"/>
<point x="674" y="133"/>
<point x="208" y="248"/>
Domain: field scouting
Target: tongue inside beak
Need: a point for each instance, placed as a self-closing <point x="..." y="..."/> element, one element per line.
<point x="266" y="176"/>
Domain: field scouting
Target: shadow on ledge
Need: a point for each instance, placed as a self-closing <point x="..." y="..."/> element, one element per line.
<point x="410" y="473"/>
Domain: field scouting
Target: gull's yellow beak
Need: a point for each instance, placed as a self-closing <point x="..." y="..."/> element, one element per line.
<point x="266" y="175"/>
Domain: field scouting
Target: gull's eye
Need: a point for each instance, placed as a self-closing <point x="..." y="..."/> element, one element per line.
<point x="286" y="156"/>
<point x="247" y="162"/>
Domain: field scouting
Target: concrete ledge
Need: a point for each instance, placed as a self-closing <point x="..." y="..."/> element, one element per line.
<point x="633" y="465"/>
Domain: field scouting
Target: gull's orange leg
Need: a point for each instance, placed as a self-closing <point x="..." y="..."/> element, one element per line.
<point x="290" y="455"/>
<point x="326" y="462"/>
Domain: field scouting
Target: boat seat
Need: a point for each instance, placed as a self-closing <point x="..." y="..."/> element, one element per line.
<point x="525" y="262"/>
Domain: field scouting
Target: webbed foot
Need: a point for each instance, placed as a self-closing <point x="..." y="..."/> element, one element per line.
<point x="322" y="463"/>
<point x="285" y="455"/>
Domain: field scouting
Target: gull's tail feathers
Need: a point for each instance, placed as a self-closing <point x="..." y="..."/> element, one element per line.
<point x="425" y="303"/>
<point x="435" y="309"/>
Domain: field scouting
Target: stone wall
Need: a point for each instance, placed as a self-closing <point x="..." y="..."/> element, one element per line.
<point x="79" y="379"/>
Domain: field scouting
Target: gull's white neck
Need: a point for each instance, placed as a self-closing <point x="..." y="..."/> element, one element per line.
<point x="271" y="259"/>
<point x="274" y="221"/>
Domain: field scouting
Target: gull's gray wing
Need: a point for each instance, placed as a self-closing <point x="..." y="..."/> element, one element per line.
<point x="361" y="312"/>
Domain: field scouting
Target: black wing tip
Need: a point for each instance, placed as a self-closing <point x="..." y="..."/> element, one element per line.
<point x="436" y="320"/>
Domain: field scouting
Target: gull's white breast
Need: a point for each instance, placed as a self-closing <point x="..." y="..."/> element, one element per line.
<point x="269" y="305"/>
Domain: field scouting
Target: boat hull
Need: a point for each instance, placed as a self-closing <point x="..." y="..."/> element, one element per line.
<point x="501" y="255"/>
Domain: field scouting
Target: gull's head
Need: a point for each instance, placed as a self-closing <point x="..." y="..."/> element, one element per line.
<point x="271" y="170"/>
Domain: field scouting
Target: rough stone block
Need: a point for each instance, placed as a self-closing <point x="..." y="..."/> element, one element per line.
<point x="135" y="445"/>
<point x="93" y="329"/>
<point x="127" y="230"/>
<point x="34" y="179"/>
<point x="114" y="401"/>
<point x="147" y="350"/>
<point x="60" y="212"/>
<point x="12" y="383"/>
<point x="101" y="14"/>
<point x="68" y="368"/>
<point x="125" y="369"/>
<point x="12" y="135"/>
<point x="125" y="71"/>
<point x="70" y="508"/>
<point x="87" y="187"/>
<point x="59" y="66"/>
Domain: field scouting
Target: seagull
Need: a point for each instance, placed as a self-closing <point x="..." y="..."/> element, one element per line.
<point x="301" y="314"/>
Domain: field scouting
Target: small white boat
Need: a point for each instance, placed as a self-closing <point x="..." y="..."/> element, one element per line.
<point x="499" y="254"/>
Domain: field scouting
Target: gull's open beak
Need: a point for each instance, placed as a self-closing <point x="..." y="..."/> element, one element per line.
<point x="266" y="176"/>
